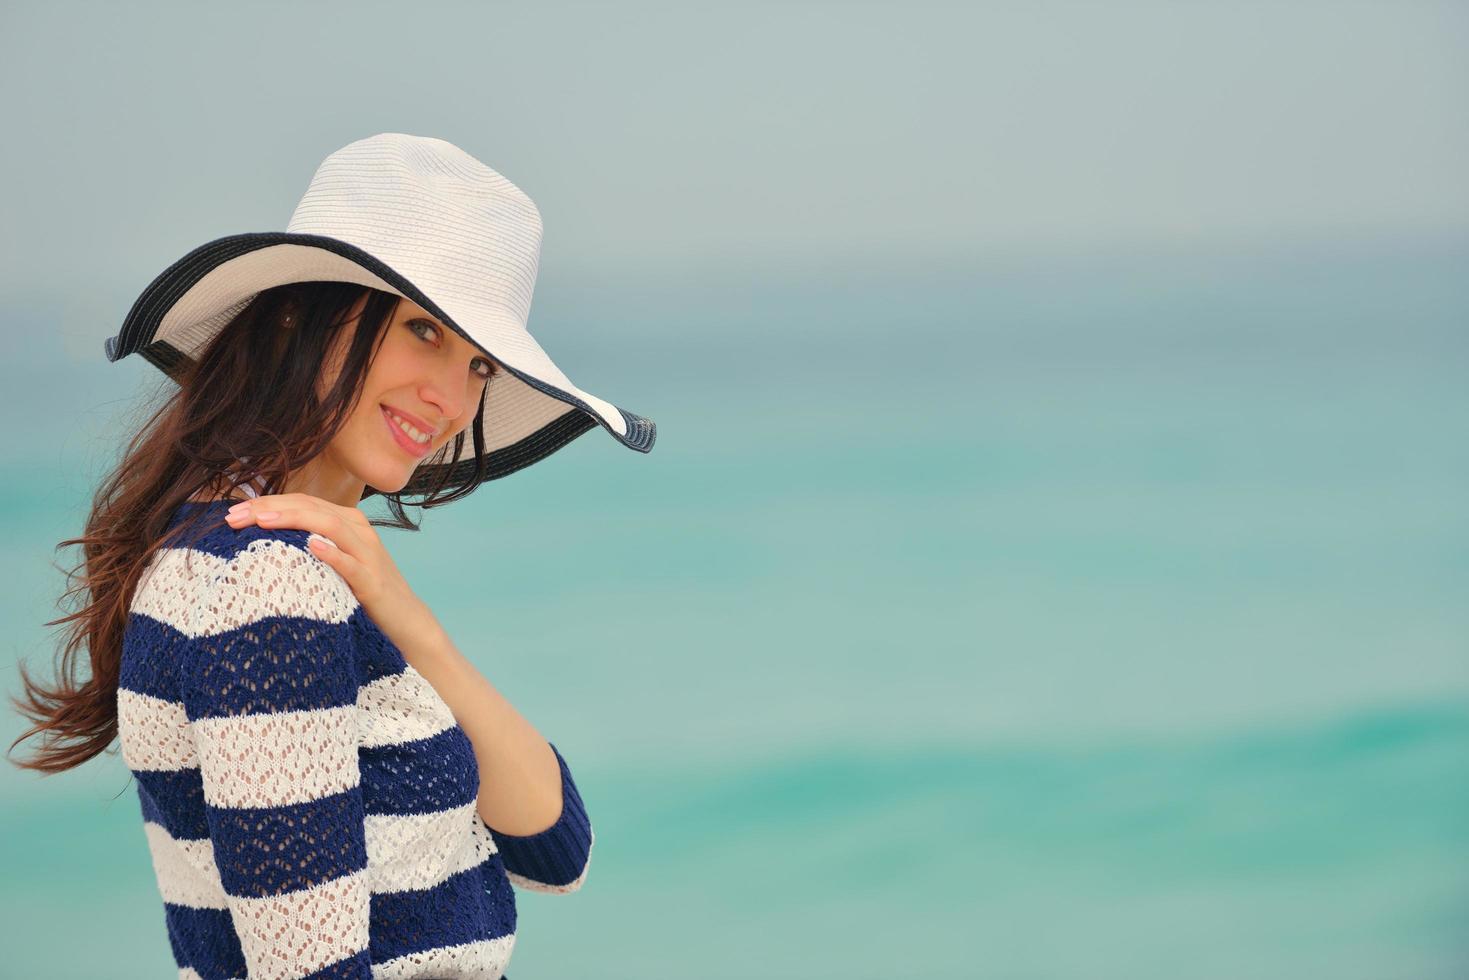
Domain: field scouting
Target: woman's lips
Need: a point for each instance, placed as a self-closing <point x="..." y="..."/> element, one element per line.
<point x="412" y="448"/>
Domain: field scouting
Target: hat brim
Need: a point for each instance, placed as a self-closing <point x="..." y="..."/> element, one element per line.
<point x="531" y="408"/>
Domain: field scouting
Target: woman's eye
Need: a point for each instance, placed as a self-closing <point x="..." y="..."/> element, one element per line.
<point x="489" y="369"/>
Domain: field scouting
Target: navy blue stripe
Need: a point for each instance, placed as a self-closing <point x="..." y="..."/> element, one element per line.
<point x="425" y="775"/>
<point x="150" y="649"/>
<point x="205" y="940"/>
<point x="279" y="663"/>
<point x="473" y="905"/>
<point x="264" y="851"/>
<point x="377" y="656"/>
<point x="174" y="799"/>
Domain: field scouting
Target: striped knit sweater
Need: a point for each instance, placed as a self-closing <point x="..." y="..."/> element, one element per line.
<point x="308" y="799"/>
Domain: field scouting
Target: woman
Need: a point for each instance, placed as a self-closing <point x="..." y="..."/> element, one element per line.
<point x="329" y="788"/>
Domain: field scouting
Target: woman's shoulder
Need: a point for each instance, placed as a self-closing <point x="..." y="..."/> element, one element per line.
<point x="262" y="571"/>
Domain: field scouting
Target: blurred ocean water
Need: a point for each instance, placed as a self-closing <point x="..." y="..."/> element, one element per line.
<point x="1079" y="618"/>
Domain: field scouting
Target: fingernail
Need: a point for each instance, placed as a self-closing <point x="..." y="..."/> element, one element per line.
<point x="240" y="507"/>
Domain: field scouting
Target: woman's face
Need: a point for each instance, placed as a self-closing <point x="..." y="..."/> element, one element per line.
<point x="424" y="374"/>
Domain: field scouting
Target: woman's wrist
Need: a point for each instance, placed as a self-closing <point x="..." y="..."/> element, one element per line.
<point x="418" y="635"/>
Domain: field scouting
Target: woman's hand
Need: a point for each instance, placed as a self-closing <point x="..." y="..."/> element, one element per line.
<point x="359" y="556"/>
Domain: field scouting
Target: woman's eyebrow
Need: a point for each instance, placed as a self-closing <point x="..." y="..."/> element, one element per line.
<point x="494" y="364"/>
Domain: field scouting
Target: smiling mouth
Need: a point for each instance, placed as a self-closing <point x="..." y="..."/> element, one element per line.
<point x="410" y="445"/>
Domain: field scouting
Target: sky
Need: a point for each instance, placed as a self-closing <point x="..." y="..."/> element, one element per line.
<point x="669" y="140"/>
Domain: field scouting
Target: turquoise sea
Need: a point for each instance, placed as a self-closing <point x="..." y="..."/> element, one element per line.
<point x="1064" y="616"/>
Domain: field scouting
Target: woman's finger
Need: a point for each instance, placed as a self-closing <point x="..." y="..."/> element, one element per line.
<point x="293" y="502"/>
<point x="310" y="517"/>
<point x="345" y="565"/>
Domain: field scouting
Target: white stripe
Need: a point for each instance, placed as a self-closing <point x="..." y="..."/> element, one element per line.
<point x="170" y="587"/>
<point x="401" y="707"/>
<point x="187" y="874"/>
<point x="404" y="707"/>
<point x="154" y="733"/>
<point x="250" y="487"/>
<point x="268" y="577"/>
<point x="405" y="852"/>
<point x="288" y="936"/>
<point x="413" y="851"/>
<point x="278" y="759"/>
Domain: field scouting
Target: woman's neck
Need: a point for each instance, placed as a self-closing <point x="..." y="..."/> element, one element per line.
<point x="219" y="490"/>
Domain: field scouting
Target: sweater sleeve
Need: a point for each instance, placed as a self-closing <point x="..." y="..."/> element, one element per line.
<point x="556" y="859"/>
<point x="270" y="689"/>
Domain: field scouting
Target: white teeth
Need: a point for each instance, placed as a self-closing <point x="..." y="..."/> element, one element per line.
<point x="413" y="433"/>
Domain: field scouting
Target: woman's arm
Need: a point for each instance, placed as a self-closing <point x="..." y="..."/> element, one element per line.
<point x="270" y="691"/>
<point x="520" y="780"/>
<point x="527" y="797"/>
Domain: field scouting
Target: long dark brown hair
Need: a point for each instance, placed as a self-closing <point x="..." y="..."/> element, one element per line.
<point x="250" y="396"/>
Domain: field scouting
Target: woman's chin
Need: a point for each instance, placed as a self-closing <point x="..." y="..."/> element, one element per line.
<point x="386" y="476"/>
<point x="390" y="485"/>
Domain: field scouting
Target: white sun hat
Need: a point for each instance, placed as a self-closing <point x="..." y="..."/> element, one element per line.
<point x="421" y="218"/>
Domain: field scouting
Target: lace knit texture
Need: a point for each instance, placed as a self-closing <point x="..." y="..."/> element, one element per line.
<point x="308" y="798"/>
